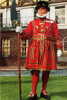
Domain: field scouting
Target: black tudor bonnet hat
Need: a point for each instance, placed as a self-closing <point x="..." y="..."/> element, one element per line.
<point x="42" y="4"/>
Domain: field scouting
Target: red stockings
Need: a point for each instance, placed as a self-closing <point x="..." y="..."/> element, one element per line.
<point x="35" y="80"/>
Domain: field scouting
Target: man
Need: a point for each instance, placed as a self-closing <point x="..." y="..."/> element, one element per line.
<point x="44" y="41"/>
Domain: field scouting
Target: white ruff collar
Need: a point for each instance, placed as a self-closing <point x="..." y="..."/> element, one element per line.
<point x="37" y="15"/>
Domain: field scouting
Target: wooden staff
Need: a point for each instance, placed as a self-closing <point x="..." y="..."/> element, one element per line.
<point x="19" y="68"/>
<point x="14" y="19"/>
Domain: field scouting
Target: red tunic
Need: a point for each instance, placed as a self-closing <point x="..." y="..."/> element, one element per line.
<point x="44" y="40"/>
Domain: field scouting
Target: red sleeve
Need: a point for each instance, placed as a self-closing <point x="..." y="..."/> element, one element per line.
<point x="27" y="33"/>
<point x="58" y="36"/>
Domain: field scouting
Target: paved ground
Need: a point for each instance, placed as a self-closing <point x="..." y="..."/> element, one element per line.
<point x="11" y="67"/>
<point x="7" y="68"/>
<point x="26" y="73"/>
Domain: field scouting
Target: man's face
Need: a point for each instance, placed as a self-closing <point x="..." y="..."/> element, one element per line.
<point x="42" y="11"/>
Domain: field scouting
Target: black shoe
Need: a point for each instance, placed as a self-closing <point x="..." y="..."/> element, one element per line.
<point x="33" y="97"/>
<point x="44" y="96"/>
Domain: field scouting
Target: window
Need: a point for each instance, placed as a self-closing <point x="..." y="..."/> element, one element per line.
<point x="27" y="14"/>
<point x="60" y="14"/>
<point x="23" y="48"/>
<point x="1" y="21"/>
<point x="15" y="18"/>
<point x="65" y="43"/>
<point x="18" y="15"/>
<point x="5" y="47"/>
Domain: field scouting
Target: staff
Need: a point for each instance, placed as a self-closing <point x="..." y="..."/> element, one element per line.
<point x="14" y="19"/>
<point x="19" y="67"/>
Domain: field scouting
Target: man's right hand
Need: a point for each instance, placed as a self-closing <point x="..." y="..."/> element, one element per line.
<point x="18" y="29"/>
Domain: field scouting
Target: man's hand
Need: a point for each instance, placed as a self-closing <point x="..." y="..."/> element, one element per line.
<point x="18" y="29"/>
<point x="59" y="52"/>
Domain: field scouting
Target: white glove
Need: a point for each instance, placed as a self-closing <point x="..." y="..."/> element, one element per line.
<point x="18" y="29"/>
<point x="59" y="53"/>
